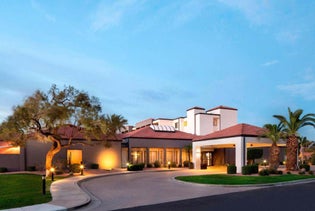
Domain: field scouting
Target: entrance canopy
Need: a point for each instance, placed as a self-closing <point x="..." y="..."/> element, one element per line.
<point x="233" y="140"/>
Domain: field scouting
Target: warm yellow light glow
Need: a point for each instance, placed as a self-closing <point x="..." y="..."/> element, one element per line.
<point x="81" y="166"/>
<point x="10" y="150"/>
<point x="108" y="159"/>
<point x="169" y="162"/>
<point x="52" y="169"/>
<point x="265" y="161"/>
<point x="127" y="164"/>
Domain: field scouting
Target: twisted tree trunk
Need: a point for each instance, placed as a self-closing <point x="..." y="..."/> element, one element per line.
<point x="55" y="148"/>
<point x="292" y="146"/>
<point x="274" y="157"/>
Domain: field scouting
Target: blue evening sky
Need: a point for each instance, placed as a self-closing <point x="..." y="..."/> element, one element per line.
<point x="150" y="58"/>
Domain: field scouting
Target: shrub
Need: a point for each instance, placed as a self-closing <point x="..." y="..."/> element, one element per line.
<point x="310" y="172"/>
<point x="280" y="172"/>
<point x="157" y="164"/>
<point x="254" y="168"/>
<point x="75" y="168"/>
<point x="250" y="169"/>
<point x="246" y="170"/>
<point x="231" y="169"/>
<point x="264" y="172"/>
<point x="94" y="166"/>
<point x="254" y="153"/>
<point x="3" y="169"/>
<point x="305" y="166"/>
<point x="149" y="165"/>
<point x="273" y="171"/>
<point x="135" y="167"/>
<point x="180" y="165"/>
<point x="289" y="172"/>
<point x="186" y="163"/>
<point x="301" y="172"/>
<point x="31" y="168"/>
<point x="191" y="165"/>
<point x="203" y="166"/>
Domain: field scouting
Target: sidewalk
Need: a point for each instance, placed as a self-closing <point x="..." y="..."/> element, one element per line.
<point x="66" y="193"/>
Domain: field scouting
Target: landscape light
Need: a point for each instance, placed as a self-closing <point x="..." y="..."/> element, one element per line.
<point x="81" y="168"/>
<point x="52" y="170"/>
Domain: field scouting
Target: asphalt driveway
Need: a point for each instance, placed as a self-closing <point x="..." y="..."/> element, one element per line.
<point x="146" y="188"/>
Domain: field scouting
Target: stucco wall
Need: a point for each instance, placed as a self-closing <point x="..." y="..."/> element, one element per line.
<point x="137" y="142"/>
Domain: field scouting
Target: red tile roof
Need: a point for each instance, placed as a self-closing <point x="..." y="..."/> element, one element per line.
<point x="236" y="130"/>
<point x="148" y="132"/>
<point x="222" y="107"/>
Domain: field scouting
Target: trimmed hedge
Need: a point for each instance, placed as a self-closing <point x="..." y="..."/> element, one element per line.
<point x="250" y="169"/>
<point x="157" y="164"/>
<point x="231" y="169"/>
<point x="31" y="168"/>
<point x="135" y="167"/>
<point x="75" y="168"/>
<point x="203" y="166"/>
<point x="3" y="169"/>
<point x="305" y="166"/>
<point x="94" y="166"/>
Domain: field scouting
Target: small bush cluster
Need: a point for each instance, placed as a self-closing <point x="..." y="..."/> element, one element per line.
<point x="250" y="169"/>
<point x="203" y="166"/>
<point x="191" y="165"/>
<point x="305" y="166"/>
<point x="135" y="167"/>
<point x="94" y="166"/>
<point x="186" y="163"/>
<point x="231" y="169"/>
<point x="157" y="164"/>
<point x="75" y="168"/>
<point x="149" y="165"/>
<point x="313" y="159"/>
<point x="31" y="168"/>
<point x="3" y="169"/>
<point x="264" y="172"/>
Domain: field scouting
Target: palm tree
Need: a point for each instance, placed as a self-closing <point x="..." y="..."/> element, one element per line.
<point x="274" y="133"/>
<point x="115" y="123"/>
<point x="292" y="125"/>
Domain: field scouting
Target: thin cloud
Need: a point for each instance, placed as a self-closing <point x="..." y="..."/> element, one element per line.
<point x="269" y="63"/>
<point x="256" y="12"/>
<point x="287" y="36"/>
<point x="305" y="90"/>
<point x="36" y="6"/>
<point x="110" y="15"/>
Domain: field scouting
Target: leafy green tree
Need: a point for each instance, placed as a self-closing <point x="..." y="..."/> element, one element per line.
<point x="58" y="116"/>
<point x="274" y="133"/>
<point x="254" y="153"/>
<point x="292" y="125"/>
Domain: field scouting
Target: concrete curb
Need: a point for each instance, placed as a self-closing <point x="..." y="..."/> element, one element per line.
<point x="68" y="194"/>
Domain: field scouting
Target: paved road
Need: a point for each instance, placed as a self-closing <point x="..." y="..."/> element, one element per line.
<point x="289" y="198"/>
<point x="146" y="188"/>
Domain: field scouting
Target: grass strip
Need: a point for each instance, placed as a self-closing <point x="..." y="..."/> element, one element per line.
<point x="222" y="179"/>
<point x="18" y="190"/>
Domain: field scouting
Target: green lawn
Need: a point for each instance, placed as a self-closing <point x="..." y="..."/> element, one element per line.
<point x="224" y="179"/>
<point x="17" y="190"/>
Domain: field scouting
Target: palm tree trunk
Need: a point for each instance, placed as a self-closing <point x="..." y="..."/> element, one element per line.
<point x="292" y="146"/>
<point x="274" y="157"/>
